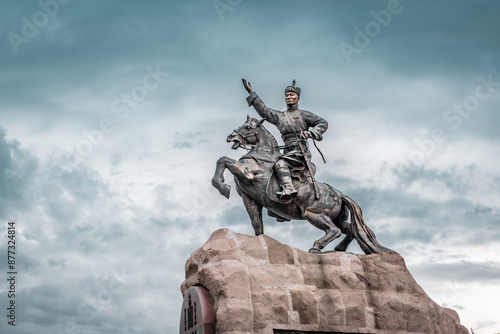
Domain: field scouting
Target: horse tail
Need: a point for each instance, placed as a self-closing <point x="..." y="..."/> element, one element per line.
<point x="362" y="233"/>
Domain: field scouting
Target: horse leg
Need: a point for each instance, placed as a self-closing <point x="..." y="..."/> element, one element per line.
<point x="236" y="168"/>
<point x="323" y="222"/>
<point x="218" y="178"/>
<point x="254" y="210"/>
<point x="341" y="221"/>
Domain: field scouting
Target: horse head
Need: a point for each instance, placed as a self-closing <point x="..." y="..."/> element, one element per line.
<point x="249" y="133"/>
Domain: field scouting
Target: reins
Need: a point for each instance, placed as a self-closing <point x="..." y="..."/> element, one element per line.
<point x="280" y="147"/>
<point x="245" y="138"/>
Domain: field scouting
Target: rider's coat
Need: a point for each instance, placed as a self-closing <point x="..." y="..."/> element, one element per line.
<point x="298" y="120"/>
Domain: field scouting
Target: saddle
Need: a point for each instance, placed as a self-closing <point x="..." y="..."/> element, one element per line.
<point x="302" y="182"/>
<point x="299" y="177"/>
<point x="305" y="194"/>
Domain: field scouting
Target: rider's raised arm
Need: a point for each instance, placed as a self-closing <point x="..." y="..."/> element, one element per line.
<point x="269" y="114"/>
<point x="318" y="124"/>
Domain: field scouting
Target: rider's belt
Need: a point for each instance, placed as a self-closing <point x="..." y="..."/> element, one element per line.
<point x="290" y="139"/>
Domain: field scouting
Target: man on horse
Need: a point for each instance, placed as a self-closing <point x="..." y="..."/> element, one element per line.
<point x="296" y="126"/>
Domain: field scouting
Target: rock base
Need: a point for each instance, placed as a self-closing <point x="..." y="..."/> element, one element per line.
<point x="261" y="286"/>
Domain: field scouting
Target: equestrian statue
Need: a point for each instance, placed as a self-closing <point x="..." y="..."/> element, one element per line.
<point x="283" y="182"/>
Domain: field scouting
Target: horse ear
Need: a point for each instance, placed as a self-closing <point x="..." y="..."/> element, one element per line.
<point x="261" y="121"/>
<point x="248" y="118"/>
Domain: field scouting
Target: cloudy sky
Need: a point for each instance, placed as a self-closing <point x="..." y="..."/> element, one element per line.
<point x="113" y="114"/>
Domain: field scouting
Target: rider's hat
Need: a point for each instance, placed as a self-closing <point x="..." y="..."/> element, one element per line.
<point x="292" y="88"/>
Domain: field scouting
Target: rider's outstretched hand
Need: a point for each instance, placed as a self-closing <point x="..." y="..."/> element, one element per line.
<point x="247" y="86"/>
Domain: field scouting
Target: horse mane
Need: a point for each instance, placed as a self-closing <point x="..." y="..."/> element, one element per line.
<point x="275" y="142"/>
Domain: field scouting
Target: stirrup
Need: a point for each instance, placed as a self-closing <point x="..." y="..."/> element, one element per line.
<point x="291" y="192"/>
<point x="286" y="195"/>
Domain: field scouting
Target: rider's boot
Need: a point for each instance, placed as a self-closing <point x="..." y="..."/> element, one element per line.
<point x="285" y="179"/>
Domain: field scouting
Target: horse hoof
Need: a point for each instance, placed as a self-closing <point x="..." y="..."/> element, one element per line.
<point x="315" y="250"/>
<point x="226" y="191"/>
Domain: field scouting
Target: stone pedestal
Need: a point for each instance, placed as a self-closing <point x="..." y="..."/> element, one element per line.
<point x="261" y="286"/>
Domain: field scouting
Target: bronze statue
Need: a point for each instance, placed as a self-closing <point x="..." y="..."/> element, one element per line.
<point x="262" y="181"/>
<point x="295" y="125"/>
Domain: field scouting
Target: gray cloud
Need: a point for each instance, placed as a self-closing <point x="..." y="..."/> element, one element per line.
<point x="139" y="203"/>
<point x="461" y="271"/>
<point x="421" y="219"/>
<point x="17" y="169"/>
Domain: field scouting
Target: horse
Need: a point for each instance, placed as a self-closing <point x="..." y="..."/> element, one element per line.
<point x="325" y="207"/>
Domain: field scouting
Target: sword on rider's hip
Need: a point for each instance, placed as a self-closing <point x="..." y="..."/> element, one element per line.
<point x="303" y="151"/>
<point x="308" y="165"/>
